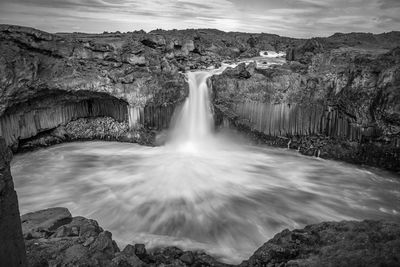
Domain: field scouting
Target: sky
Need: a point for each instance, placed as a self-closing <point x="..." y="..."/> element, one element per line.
<point x="294" y="18"/>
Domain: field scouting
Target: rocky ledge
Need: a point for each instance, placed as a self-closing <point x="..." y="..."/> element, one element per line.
<point x="54" y="238"/>
<point x="86" y="129"/>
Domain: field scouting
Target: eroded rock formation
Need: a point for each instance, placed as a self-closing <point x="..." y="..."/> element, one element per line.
<point x="346" y="243"/>
<point x="12" y="247"/>
<point x="336" y="102"/>
<point x="140" y="72"/>
<point x="48" y="80"/>
<point x="54" y="238"/>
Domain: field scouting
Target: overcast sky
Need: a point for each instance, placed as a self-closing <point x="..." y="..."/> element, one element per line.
<point x="295" y="18"/>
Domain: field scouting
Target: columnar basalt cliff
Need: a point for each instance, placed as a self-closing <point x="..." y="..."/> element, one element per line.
<point x="48" y="80"/>
<point x="330" y="100"/>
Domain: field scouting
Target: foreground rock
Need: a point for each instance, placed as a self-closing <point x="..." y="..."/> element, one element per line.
<point x="12" y="249"/>
<point x="346" y="243"/>
<point x="54" y="238"/>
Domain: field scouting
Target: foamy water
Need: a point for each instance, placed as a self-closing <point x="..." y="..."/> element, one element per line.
<point x="201" y="190"/>
<point x="227" y="201"/>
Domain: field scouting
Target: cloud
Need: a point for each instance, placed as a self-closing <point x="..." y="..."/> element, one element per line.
<point x="385" y="4"/>
<point x="301" y="18"/>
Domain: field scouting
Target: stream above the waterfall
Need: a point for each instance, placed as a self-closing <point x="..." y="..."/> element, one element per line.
<point x="201" y="190"/>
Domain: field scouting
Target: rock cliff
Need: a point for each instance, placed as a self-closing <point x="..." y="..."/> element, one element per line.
<point x="48" y="80"/>
<point x="330" y="100"/>
<point x="12" y="247"/>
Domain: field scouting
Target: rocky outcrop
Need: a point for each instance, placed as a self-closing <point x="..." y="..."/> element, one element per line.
<point x="43" y="74"/>
<point x="24" y="122"/>
<point x="347" y="243"/>
<point x="48" y="80"/>
<point x="99" y="128"/>
<point x="12" y="248"/>
<point x="54" y="238"/>
<point x="339" y="103"/>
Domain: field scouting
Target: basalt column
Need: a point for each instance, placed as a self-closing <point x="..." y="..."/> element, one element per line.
<point x="291" y="119"/>
<point x="24" y="121"/>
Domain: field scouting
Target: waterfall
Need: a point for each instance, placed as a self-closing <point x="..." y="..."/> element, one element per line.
<point x="193" y="123"/>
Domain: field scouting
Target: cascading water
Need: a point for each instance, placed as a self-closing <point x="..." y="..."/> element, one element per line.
<point x="194" y="121"/>
<point x="201" y="190"/>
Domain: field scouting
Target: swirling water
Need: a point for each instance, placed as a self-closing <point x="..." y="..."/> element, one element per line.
<point x="202" y="190"/>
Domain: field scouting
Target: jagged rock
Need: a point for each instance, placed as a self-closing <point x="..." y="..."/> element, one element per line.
<point x="67" y="241"/>
<point x="345" y="94"/>
<point x="102" y="128"/>
<point x="347" y="243"/>
<point x="42" y="223"/>
<point x="239" y="72"/>
<point x="139" y="250"/>
<point x="12" y="248"/>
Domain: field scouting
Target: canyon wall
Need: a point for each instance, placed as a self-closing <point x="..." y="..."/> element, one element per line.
<point x="293" y="119"/>
<point x="12" y="246"/>
<point x="24" y="124"/>
<point x="142" y="71"/>
<point x="339" y="103"/>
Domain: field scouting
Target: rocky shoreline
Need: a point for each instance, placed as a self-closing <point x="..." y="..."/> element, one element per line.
<point x="54" y="238"/>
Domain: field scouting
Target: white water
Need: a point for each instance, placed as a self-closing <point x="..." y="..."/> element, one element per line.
<point x="202" y="190"/>
<point x="192" y="127"/>
<point x="272" y="54"/>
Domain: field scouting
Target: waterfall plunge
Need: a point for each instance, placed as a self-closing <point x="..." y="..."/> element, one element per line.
<point x="201" y="190"/>
<point x="193" y="123"/>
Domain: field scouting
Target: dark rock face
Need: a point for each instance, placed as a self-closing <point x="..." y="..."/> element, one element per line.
<point x="54" y="238"/>
<point x="49" y="80"/>
<point x="44" y="73"/>
<point x="97" y="128"/>
<point x="347" y="243"/>
<point x="339" y="103"/>
<point x="12" y="248"/>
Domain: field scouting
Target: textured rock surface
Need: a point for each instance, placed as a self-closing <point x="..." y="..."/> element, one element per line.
<point x="42" y="73"/>
<point x="54" y="238"/>
<point x="347" y="243"/>
<point x="98" y="128"/>
<point x="349" y="94"/>
<point x="49" y="80"/>
<point x="12" y="248"/>
<point x="77" y="241"/>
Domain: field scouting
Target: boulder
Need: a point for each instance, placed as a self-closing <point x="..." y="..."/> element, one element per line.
<point x="43" y="223"/>
<point x="346" y="243"/>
